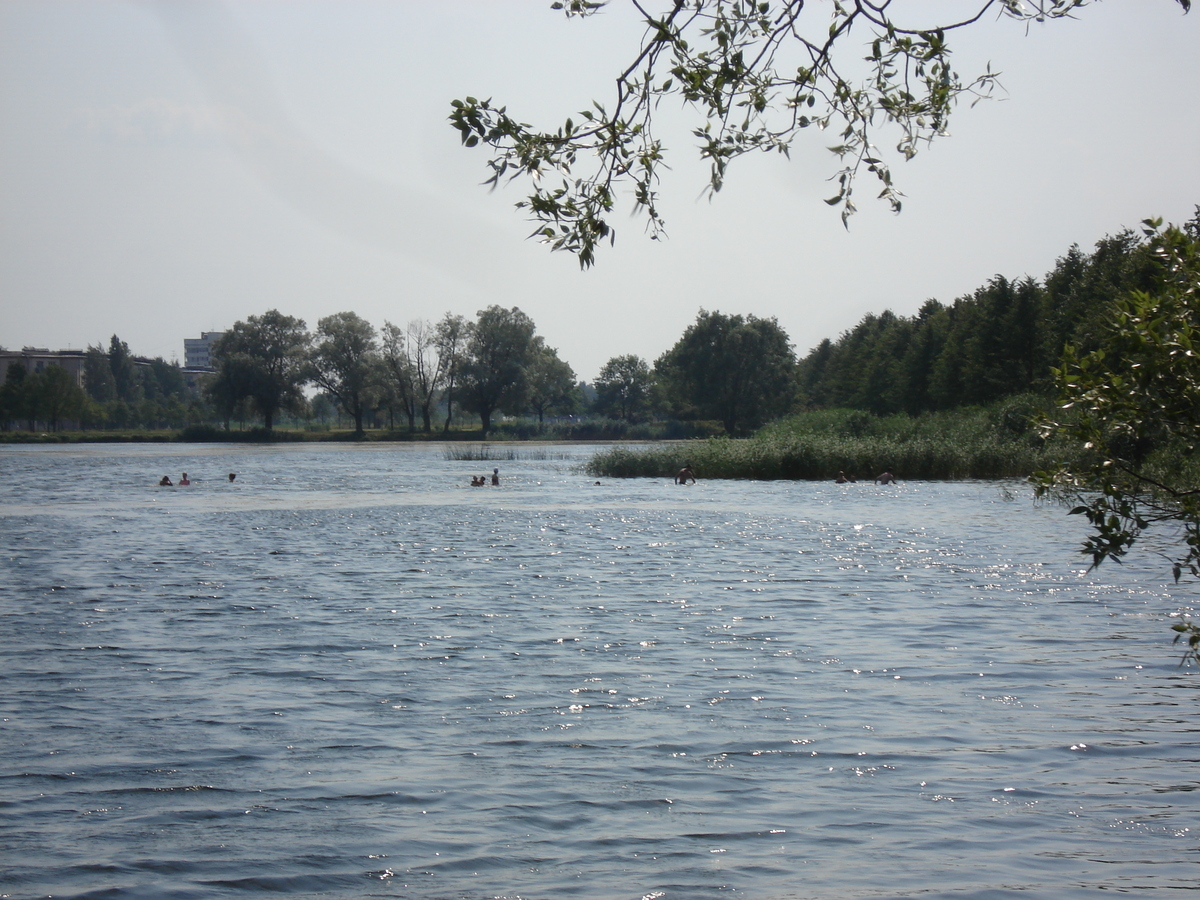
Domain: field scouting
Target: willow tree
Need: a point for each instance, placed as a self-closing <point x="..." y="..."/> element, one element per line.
<point x="345" y="363"/>
<point x="1132" y="405"/>
<point x="453" y="332"/>
<point x="550" y="381"/>
<point x="498" y="351"/>
<point x="740" y="370"/>
<point x="624" y="387"/>
<point x="263" y="359"/>
<point x="755" y="74"/>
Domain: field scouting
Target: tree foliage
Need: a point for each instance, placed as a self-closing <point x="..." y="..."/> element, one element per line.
<point x="125" y="379"/>
<point x="1133" y="402"/>
<point x="453" y="332"/>
<point x="550" y="381"/>
<point x="55" y="396"/>
<point x="46" y="398"/>
<point x="98" y="376"/>
<point x="756" y="74"/>
<point x="624" y="387"/>
<point x="15" y="403"/>
<point x="497" y="353"/>
<point x="345" y="363"/>
<point x="999" y="341"/>
<point x="148" y="393"/>
<point x="397" y="391"/>
<point x="264" y="359"/>
<point x="737" y="369"/>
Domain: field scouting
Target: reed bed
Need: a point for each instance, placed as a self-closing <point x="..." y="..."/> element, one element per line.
<point x="817" y="446"/>
<point x="503" y="453"/>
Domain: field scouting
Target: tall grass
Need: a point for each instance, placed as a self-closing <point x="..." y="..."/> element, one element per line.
<point x="971" y="443"/>
<point x="504" y="452"/>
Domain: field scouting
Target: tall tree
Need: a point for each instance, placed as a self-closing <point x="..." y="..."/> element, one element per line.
<point x="396" y="374"/>
<point x="453" y="333"/>
<point x="1083" y="284"/>
<point x="737" y="369"/>
<point x="54" y="396"/>
<point x="551" y="381"/>
<point x="265" y="359"/>
<point x="125" y="375"/>
<point x="427" y="367"/>
<point x="228" y="389"/>
<point x="15" y="405"/>
<point x="623" y="387"/>
<point x="756" y="75"/>
<point x="345" y="362"/>
<point x="98" y="376"/>
<point x="916" y="366"/>
<point x="164" y="380"/>
<point x="498" y="351"/>
<point x="812" y="373"/>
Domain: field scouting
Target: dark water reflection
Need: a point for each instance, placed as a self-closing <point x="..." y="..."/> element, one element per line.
<point x="350" y="674"/>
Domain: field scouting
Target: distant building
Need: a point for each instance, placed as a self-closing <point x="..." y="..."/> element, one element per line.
<point x="37" y="359"/>
<point x="197" y="352"/>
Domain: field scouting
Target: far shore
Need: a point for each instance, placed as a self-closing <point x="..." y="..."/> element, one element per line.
<point x="286" y="436"/>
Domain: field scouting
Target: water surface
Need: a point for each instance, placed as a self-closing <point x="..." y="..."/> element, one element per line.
<point x="350" y="674"/>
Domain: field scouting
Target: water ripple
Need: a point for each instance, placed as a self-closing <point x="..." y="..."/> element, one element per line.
<point x="348" y="675"/>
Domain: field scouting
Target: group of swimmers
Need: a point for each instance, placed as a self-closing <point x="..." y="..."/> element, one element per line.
<point x="686" y="476"/>
<point x="885" y="477"/>
<point x="184" y="482"/>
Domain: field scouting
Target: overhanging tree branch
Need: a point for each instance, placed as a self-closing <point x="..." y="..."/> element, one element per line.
<point x="756" y="73"/>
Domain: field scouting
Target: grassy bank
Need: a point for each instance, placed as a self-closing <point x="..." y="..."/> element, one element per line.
<point x="975" y="443"/>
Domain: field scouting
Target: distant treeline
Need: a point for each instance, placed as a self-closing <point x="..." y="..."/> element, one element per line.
<point x="726" y="374"/>
<point x="999" y="341"/>
<point x="119" y="391"/>
<point x="964" y="391"/>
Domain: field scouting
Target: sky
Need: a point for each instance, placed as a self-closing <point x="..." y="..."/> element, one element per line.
<point x="169" y="168"/>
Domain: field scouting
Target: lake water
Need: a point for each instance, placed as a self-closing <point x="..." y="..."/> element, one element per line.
<point x="349" y="674"/>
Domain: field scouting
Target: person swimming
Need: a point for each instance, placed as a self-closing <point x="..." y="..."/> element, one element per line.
<point x="495" y="476"/>
<point x="184" y="480"/>
<point x="166" y="482"/>
<point x="685" y="475"/>
<point x="232" y="475"/>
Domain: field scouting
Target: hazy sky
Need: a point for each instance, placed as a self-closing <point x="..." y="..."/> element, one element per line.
<point x="168" y="168"/>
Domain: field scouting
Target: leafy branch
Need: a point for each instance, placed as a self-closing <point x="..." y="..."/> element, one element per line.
<point x="1133" y="404"/>
<point x="757" y="73"/>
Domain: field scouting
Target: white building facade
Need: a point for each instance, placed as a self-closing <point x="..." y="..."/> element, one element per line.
<point x="197" y="352"/>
